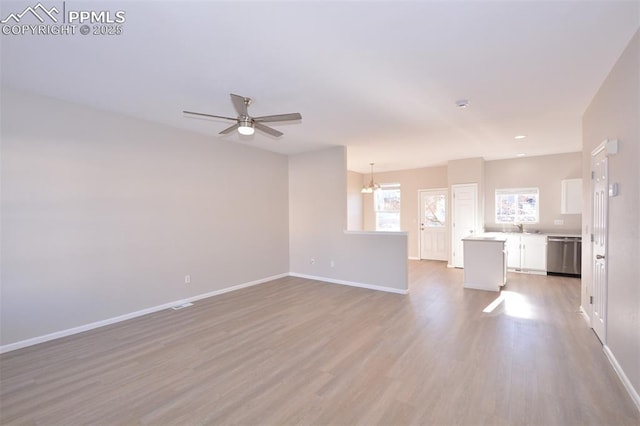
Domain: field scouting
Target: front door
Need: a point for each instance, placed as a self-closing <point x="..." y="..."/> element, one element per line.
<point x="464" y="211"/>
<point x="433" y="224"/>
<point x="600" y="203"/>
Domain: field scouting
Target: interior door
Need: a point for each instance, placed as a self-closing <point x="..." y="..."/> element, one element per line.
<point x="433" y="224"/>
<point x="600" y="203"/>
<point x="463" y="213"/>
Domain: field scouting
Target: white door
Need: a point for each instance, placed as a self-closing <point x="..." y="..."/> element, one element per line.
<point x="463" y="214"/>
<point x="433" y="224"/>
<point x="600" y="203"/>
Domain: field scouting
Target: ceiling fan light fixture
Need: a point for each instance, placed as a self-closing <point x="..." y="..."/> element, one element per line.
<point x="246" y="125"/>
<point x="246" y="128"/>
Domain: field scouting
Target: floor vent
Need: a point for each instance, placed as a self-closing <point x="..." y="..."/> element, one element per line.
<point x="184" y="305"/>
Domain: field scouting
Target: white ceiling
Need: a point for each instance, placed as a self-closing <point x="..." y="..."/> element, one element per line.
<point x="381" y="78"/>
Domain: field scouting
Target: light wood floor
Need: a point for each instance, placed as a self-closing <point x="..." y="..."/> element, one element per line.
<point x="295" y="351"/>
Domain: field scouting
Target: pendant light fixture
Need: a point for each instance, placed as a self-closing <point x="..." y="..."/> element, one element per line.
<point x="372" y="186"/>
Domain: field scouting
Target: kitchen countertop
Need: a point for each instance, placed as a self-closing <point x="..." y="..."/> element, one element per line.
<point x="485" y="237"/>
<point x="547" y="234"/>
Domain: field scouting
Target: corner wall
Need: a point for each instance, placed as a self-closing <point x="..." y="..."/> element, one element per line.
<point x="613" y="114"/>
<point x="354" y="201"/>
<point x="319" y="246"/>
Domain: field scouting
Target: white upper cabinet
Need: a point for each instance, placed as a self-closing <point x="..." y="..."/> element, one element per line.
<point x="571" y="202"/>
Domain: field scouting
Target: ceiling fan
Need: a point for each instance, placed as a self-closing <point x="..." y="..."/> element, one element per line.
<point x="246" y="124"/>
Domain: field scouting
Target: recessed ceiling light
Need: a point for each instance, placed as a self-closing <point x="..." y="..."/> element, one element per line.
<point x="520" y="155"/>
<point x="520" y="137"/>
<point x="462" y="103"/>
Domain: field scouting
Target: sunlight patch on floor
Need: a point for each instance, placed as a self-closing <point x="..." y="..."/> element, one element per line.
<point x="515" y="305"/>
<point x="491" y="306"/>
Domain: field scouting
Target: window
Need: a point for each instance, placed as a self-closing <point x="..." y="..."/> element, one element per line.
<point x="386" y="202"/>
<point x="517" y="205"/>
<point x="435" y="210"/>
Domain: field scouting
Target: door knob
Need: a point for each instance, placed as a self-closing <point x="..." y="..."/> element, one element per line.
<point x="599" y="256"/>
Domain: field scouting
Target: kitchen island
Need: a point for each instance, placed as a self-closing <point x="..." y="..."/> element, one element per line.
<point x="485" y="262"/>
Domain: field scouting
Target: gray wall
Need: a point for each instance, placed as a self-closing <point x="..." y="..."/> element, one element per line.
<point x="544" y="172"/>
<point x="317" y="224"/>
<point x="354" y="201"/>
<point x="104" y="215"/>
<point x="613" y="114"/>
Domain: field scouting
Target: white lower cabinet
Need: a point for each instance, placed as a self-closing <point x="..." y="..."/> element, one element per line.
<point x="513" y="251"/>
<point x="484" y="263"/>
<point x="527" y="252"/>
<point x="534" y="253"/>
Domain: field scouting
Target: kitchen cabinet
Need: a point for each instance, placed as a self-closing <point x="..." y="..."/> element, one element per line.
<point x="571" y="198"/>
<point x="534" y="252"/>
<point x="527" y="252"/>
<point x="513" y="251"/>
<point x="485" y="265"/>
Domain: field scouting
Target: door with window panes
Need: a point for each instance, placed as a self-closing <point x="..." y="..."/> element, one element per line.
<point x="433" y="224"/>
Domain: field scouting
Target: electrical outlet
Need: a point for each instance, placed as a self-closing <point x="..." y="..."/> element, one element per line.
<point x="187" y="279"/>
<point x="333" y="264"/>
<point x="312" y="261"/>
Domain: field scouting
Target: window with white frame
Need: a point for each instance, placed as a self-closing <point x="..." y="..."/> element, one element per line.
<point x="517" y="205"/>
<point x="386" y="203"/>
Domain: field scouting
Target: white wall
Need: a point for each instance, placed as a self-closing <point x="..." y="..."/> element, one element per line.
<point x="317" y="223"/>
<point x="104" y="215"/>
<point x="354" y="201"/>
<point x="544" y="172"/>
<point x="613" y="114"/>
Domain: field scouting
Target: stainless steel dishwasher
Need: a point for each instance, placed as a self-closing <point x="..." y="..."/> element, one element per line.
<point x="564" y="256"/>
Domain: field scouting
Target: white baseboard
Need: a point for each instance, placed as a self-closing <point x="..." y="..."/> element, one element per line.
<point x="413" y="258"/>
<point x="75" y="330"/>
<point x="585" y="316"/>
<point x="86" y="327"/>
<point x="623" y="377"/>
<point x="350" y="283"/>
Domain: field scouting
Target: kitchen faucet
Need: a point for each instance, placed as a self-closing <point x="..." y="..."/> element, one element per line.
<point x="520" y="227"/>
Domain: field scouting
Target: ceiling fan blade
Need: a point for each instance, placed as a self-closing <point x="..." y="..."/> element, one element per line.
<point x="240" y="104"/>
<point x="267" y="129"/>
<point x="200" y="114"/>
<point x="279" y="117"/>
<point x="230" y="129"/>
